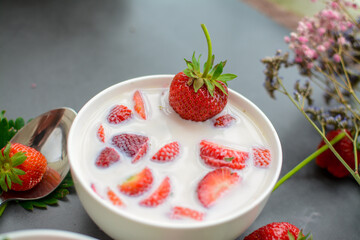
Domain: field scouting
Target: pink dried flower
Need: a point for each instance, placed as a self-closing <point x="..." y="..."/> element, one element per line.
<point x="287" y="39"/>
<point x="321" y="31"/>
<point x="298" y="59"/>
<point x="321" y="48"/>
<point x="341" y="40"/>
<point x="337" y="58"/>
<point x="303" y="39"/>
<point x="315" y="36"/>
<point x="334" y="5"/>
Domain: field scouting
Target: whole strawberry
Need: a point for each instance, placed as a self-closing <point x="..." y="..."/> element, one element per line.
<point x="21" y="167"/>
<point x="197" y="95"/>
<point x="277" y="231"/>
<point x="330" y="162"/>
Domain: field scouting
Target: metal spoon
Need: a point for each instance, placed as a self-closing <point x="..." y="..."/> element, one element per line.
<point x="46" y="133"/>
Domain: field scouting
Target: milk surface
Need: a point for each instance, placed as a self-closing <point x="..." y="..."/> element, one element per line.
<point x="163" y="126"/>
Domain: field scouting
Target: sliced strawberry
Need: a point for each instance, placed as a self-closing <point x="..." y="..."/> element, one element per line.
<point x="138" y="183"/>
<point x="133" y="145"/>
<point x="167" y="153"/>
<point x="262" y="156"/>
<point x="159" y="195"/>
<point x="215" y="184"/>
<point x="94" y="188"/>
<point x="216" y="155"/>
<point x="178" y="212"/>
<point x="139" y="104"/>
<point x="101" y="133"/>
<point x="141" y="152"/>
<point x="118" y="114"/>
<point x="107" y="157"/>
<point x="114" y="199"/>
<point x="224" y="121"/>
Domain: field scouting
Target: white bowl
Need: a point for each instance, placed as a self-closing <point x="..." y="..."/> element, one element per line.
<point x="121" y="224"/>
<point x="44" y="234"/>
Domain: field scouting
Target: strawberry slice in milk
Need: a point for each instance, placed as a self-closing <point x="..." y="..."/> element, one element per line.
<point x="164" y="168"/>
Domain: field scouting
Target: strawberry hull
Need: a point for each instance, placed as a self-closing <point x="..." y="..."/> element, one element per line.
<point x="124" y="222"/>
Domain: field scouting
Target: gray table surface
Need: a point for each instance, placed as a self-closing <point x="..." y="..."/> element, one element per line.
<point x="61" y="53"/>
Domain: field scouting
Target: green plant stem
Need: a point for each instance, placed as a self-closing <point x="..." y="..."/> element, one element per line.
<point x="2" y="208"/>
<point x="209" y="59"/>
<point x="355" y="150"/>
<point x="309" y="159"/>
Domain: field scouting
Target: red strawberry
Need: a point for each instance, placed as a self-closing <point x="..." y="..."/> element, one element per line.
<point x="276" y="231"/>
<point x="114" y="199"/>
<point x="159" y="195"/>
<point x="224" y="121"/>
<point x="118" y="114"/>
<point x="139" y="104"/>
<point x="21" y="167"/>
<point x="138" y="183"/>
<point x="261" y="156"/>
<point x="167" y="153"/>
<point x="133" y="145"/>
<point x="329" y="161"/>
<point x="215" y="184"/>
<point x="101" y="133"/>
<point x="107" y="157"/>
<point x="197" y="95"/>
<point x="181" y="212"/>
<point x="217" y="155"/>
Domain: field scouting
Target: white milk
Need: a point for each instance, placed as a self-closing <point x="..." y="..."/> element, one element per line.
<point x="164" y="126"/>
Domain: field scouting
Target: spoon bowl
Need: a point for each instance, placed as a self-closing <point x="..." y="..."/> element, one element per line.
<point x="48" y="134"/>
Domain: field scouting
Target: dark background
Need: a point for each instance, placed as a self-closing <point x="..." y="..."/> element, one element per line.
<point x="62" y="53"/>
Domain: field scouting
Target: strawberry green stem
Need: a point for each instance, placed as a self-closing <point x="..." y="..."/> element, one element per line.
<point x="309" y="159"/>
<point x="209" y="59"/>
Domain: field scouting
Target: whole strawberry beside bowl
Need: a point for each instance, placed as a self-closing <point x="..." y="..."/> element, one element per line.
<point x="278" y="231"/>
<point x="345" y="148"/>
<point x="197" y="95"/>
<point x="21" y="167"/>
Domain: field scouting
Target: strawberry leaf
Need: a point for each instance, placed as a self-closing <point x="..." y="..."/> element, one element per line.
<point x="18" y="171"/>
<point x="6" y="151"/>
<point x="14" y="177"/>
<point x="217" y="84"/>
<point x="19" y="123"/>
<point x="188" y="73"/>
<point x="26" y="205"/>
<point x="8" y="180"/>
<point x="226" y="77"/>
<point x="2" y="207"/>
<point x="218" y="70"/>
<point x="18" y="158"/>
<point x="210" y="86"/>
<point x="52" y="199"/>
<point x="3" y="184"/>
<point x="198" y="83"/>
<point x="8" y="128"/>
<point x="189" y="65"/>
<point x="196" y="63"/>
